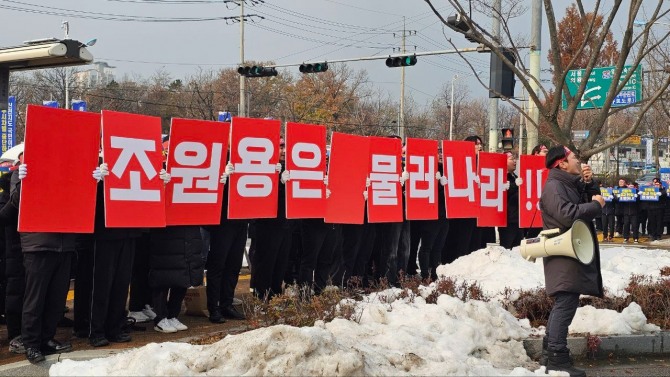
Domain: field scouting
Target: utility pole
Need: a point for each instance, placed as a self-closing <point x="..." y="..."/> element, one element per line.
<point x="401" y="110"/>
<point x="243" y="110"/>
<point x="65" y="25"/>
<point x="493" y="102"/>
<point x="535" y="51"/>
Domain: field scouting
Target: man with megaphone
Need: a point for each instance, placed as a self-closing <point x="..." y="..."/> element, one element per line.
<point x="569" y="203"/>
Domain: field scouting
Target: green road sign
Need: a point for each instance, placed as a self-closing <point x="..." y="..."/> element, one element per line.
<point x="598" y="85"/>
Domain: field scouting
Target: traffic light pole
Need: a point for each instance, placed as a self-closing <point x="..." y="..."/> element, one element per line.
<point x="493" y="102"/>
<point x="243" y="109"/>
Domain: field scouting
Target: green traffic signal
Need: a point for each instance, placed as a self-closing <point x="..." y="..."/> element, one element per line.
<point x="401" y="61"/>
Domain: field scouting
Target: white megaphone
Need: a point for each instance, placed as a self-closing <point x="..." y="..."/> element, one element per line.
<point x="576" y="243"/>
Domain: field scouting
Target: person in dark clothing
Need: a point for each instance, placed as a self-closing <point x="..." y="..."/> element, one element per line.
<point x="175" y="264"/>
<point x="227" y="242"/>
<point x="655" y="212"/>
<point x="618" y="209"/>
<point x="113" y="254"/>
<point x="608" y="220"/>
<point x="271" y="256"/>
<point x="84" y="247"/>
<point x="14" y="270"/>
<point x="569" y="194"/>
<point x="140" y="300"/>
<point x="511" y="235"/>
<point x="433" y="233"/>
<point x="357" y="245"/>
<point x="47" y="259"/>
<point x="319" y="240"/>
<point x="630" y="217"/>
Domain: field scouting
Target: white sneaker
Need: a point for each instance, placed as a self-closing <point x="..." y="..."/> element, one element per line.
<point x="140" y="317"/>
<point x="149" y="311"/>
<point x="165" y="326"/>
<point x="177" y="324"/>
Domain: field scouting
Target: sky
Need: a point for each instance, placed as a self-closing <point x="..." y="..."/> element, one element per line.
<point x="290" y="32"/>
<point x="401" y="336"/>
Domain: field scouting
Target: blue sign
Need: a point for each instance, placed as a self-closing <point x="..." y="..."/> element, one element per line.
<point x="606" y="193"/>
<point x="53" y="104"/>
<point x="79" y="105"/>
<point x="225" y="116"/>
<point x="8" y="125"/>
<point x="649" y="193"/>
<point x="626" y="194"/>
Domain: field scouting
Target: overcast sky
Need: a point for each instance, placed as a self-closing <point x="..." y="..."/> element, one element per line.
<point x="292" y="31"/>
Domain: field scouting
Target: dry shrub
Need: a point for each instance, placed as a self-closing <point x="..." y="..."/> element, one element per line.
<point x="464" y="291"/>
<point x="665" y="271"/>
<point x="534" y="305"/>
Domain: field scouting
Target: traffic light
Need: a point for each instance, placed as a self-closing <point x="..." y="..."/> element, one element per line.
<point x="313" y="67"/>
<point x="501" y="76"/>
<point x="401" y="61"/>
<point x="256" y="71"/>
<point x="507" y="139"/>
<point x="457" y="23"/>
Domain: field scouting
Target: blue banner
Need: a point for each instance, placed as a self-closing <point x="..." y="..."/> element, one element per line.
<point x="649" y="193"/>
<point x="626" y="195"/>
<point x="8" y="125"/>
<point x="53" y="104"/>
<point x="606" y="193"/>
<point x="79" y="105"/>
<point x="225" y="116"/>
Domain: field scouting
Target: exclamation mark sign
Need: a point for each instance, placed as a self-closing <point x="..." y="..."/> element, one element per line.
<point x="529" y="189"/>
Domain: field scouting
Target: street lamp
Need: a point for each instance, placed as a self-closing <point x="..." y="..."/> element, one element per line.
<point x="451" y="106"/>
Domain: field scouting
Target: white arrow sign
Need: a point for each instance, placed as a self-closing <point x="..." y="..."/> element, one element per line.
<point x="587" y="91"/>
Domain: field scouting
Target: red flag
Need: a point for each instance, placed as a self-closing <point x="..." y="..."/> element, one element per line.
<point x="61" y="152"/>
<point x="132" y="148"/>
<point x="254" y="153"/>
<point x="385" y="192"/>
<point x="196" y="160"/>
<point x="493" y="199"/>
<point x="347" y="171"/>
<point x="460" y="168"/>
<point x="421" y="187"/>
<point x="533" y="173"/>
<point x="306" y="163"/>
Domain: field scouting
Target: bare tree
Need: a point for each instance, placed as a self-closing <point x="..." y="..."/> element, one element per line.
<point x="636" y="44"/>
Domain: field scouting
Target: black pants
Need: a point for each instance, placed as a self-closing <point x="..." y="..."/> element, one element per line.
<point x="16" y="286"/>
<point x="432" y="234"/>
<point x="642" y="216"/>
<point x="415" y="238"/>
<point x="113" y="264"/>
<point x="463" y="238"/>
<point x="630" y="223"/>
<point x="510" y="236"/>
<point x="608" y="226"/>
<point x="404" y="246"/>
<point x="140" y="292"/>
<point x="47" y="283"/>
<point x="655" y="227"/>
<point x="224" y="261"/>
<point x="167" y="302"/>
<point x="269" y="261"/>
<point x="619" y="223"/>
<point x="357" y="241"/>
<point x="560" y="318"/>
<point x="386" y="265"/>
<point x="82" y="285"/>
<point x="318" y="245"/>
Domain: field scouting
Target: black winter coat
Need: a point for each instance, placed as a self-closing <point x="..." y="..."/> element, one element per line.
<point x="566" y="199"/>
<point x="101" y="232"/>
<point x="175" y="257"/>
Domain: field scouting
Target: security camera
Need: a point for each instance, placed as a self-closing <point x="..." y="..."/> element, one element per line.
<point x="44" y="53"/>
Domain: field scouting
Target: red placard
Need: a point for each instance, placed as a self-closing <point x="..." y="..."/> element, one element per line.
<point x="385" y="191"/>
<point x="254" y="153"/>
<point x="421" y="187"/>
<point x="533" y="173"/>
<point x="493" y="197"/>
<point x="61" y="152"/>
<point x="196" y="160"/>
<point x="347" y="171"/>
<point x="132" y="148"/>
<point x="460" y="168"/>
<point x="306" y="163"/>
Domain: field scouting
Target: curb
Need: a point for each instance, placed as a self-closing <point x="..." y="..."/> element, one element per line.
<point x="610" y="346"/>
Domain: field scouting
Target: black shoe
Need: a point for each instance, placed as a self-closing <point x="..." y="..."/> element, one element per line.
<point x="34" y="355"/>
<point x="121" y="338"/>
<point x="99" y="342"/>
<point x="562" y="362"/>
<point x="231" y="313"/>
<point x="53" y="346"/>
<point x="215" y="316"/>
<point x="16" y="345"/>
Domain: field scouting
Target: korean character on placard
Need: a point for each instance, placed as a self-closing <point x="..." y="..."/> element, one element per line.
<point x="425" y="174"/>
<point x="198" y="184"/>
<point x="134" y="147"/>
<point x="384" y="180"/>
<point x="306" y="157"/>
<point x="256" y="153"/>
<point x="493" y="181"/>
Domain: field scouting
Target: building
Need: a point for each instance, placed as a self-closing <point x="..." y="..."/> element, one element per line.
<point x="100" y="74"/>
